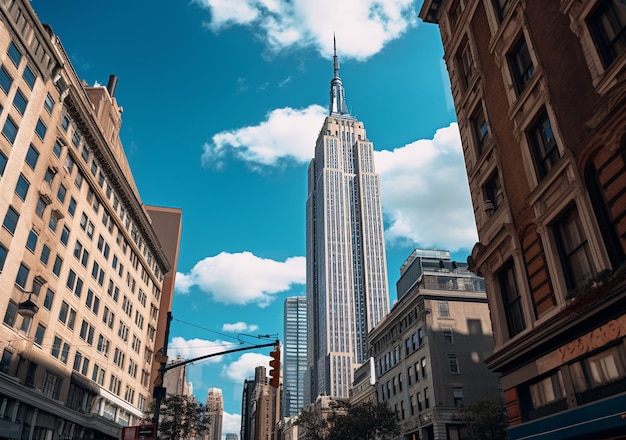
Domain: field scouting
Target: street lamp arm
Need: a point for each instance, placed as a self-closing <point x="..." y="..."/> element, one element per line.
<point x="206" y="356"/>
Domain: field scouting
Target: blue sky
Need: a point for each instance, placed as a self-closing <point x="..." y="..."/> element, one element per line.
<point x="223" y="100"/>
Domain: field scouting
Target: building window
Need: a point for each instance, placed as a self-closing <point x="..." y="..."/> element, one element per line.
<point x="41" y="129"/>
<point x="453" y="364"/>
<point x="21" y="189"/>
<point x="20" y="102"/>
<point x="491" y="193"/>
<point x="448" y="336"/>
<point x="3" y="256"/>
<point x="10" y="314"/>
<point x="15" y="54"/>
<point x="45" y="255"/>
<point x="573" y="248"/>
<point x="465" y="62"/>
<point x="455" y="13"/>
<point x="32" y="157"/>
<point x="9" y="130"/>
<point x="457" y="395"/>
<point x="511" y="300"/>
<point x="29" y="77"/>
<point x="10" y="220"/>
<point x="5" y="80"/>
<point x="599" y="375"/>
<point x="56" y="268"/>
<point x="31" y="242"/>
<point x="480" y="128"/>
<point x="543" y="143"/>
<point x="547" y="390"/>
<point x="47" y="302"/>
<point x="608" y="27"/>
<point x="22" y="276"/>
<point x="3" y="162"/>
<point x="48" y="104"/>
<point x="501" y="7"/>
<point x="521" y="64"/>
<point x="444" y="308"/>
<point x="39" y="334"/>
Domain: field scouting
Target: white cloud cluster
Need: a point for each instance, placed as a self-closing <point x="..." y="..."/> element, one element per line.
<point x="362" y="26"/>
<point x="425" y="193"/>
<point x="239" y="327"/>
<point x="243" y="368"/>
<point x="194" y="348"/>
<point x="231" y="423"/>
<point x="243" y="278"/>
<point x="273" y="141"/>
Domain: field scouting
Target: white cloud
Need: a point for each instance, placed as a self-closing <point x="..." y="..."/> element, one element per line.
<point x="243" y="278"/>
<point x="231" y="423"/>
<point x="362" y="27"/>
<point x="243" y="368"/>
<point x="286" y="134"/>
<point x="239" y="327"/>
<point x="194" y="348"/>
<point x="425" y="193"/>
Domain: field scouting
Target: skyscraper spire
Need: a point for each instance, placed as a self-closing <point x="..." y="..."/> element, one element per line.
<point x="337" y="95"/>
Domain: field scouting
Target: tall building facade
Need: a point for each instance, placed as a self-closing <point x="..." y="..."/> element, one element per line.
<point x="215" y="412"/>
<point x="540" y="99"/>
<point x="347" y="291"/>
<point x="430" y="350"/>
<point x="294" y="356"/>
<point x="260" y="408"/>
<point x="81" y="265"/>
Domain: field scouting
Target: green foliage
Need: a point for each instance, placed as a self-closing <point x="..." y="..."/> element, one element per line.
<point x="484" y="419"/>
<point x="364" y="421"/>
<point x="181" y="416"/>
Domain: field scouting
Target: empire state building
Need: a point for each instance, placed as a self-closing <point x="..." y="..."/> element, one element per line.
<point x="347" y="289"/>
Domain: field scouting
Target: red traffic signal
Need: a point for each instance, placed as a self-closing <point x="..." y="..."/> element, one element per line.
<point x="275" y="368"/>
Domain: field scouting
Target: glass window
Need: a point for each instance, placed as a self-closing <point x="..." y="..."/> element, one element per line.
<point x="10" y="220"/>
<point x="22" y="276"/>
<point x="573" y="248"/>
<point x="32" y="157"/>
<point x="57" y="149"/>
<point x="21" y="189"/>
<point x="41" y="129"/>
<point x="61" y="193"/>
<point x="5" y="80"/>
<point x="457" y="395"/>
<point x="65" y="235"/>
<point x="40" y="208"/>
<point x="15" y="54"/>
<point x="479" y="125"/>
<point x="29" y="76"/>
<point x="3" y="256"/>
<point x="444" y="309"/>
<point x="71" y="209"/>
<point x="52" y="224"/>
<point x="608" y="27"/>
<point x="10" y="314"/>
<point x="491" y="192"/>
<point x="453" y="364"/>
<point x="56" y="268"/>
<point x="544" y="147"/>
<point x="49" y="299"/>
<point x="521" y="64"/>
<point x="547" y="390"/>
<point x="39" y="334"/>
<point x="511" y="299"/>
<point x="48" y="103"/>
<point x="3" y="163"/>
<point x="31" y="243"/>
<point x="20" y="102"/>
<point x="10" y="129"/>
<point x="45" y="254"/>
<point x="466" y="64"/>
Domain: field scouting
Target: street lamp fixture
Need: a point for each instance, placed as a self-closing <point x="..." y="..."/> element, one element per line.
<point x="28" y="308"/>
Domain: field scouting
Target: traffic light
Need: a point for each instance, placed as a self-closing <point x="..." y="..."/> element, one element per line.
<point x="275" y="367"/>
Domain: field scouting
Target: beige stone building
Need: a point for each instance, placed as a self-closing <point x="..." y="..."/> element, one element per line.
<point x="539" y="90"/>
<point x="215" y="412"/>
<point x="81" y="265"/>
<point x="430" y="350"/>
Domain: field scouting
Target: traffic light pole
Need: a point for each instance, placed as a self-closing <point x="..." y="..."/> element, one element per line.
<point x="159" y="390"/>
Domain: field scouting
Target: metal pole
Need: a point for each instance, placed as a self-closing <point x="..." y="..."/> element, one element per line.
<point x="158" y="397"/>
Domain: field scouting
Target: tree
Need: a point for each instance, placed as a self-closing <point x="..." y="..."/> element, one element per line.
<point x="484" y="419"/>
<point x="181" y="417"/>
<point x="363" y="421"/>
